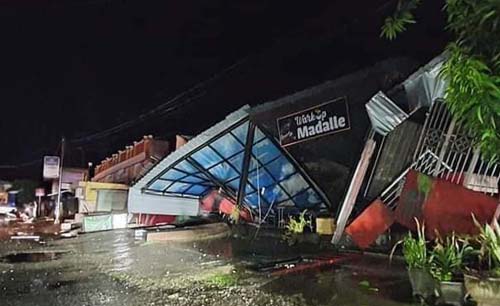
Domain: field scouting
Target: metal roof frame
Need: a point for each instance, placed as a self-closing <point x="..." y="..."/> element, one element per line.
<point x="206" y="139"/>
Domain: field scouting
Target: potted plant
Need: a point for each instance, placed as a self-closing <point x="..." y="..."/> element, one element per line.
<point x="447" y="263"/>
<point x="483" y="283"/>
<point x="294" y="230"/>
<point x="418" y="262"/>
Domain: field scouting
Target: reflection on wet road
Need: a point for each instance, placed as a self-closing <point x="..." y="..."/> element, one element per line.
<point x="111" y="268"/>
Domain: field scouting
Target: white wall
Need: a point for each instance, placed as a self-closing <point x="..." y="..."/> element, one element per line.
<point x="141" y="203"/>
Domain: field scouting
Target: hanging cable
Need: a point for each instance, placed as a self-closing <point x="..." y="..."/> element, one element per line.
<point x="163" y="109"/>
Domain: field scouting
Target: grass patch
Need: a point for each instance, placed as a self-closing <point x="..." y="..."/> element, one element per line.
<point x="223" y="280"/>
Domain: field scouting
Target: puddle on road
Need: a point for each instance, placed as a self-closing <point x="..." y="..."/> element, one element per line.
<point x="31" y="257"/>
<point x="341" y="287"/>
<point x="88" y="275"/>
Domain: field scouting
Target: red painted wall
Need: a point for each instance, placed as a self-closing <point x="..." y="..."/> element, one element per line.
<point x="443" y="206"/>
<point x="449" y="208"/>
<point x="372" y="222"/>
<point x="149" y="220"/>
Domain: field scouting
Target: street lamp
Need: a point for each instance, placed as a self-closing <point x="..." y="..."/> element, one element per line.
<point x="89" y="164"/>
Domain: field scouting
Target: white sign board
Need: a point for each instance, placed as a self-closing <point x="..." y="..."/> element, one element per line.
<point x="79" y="193"/>
<point x="51" y="167"/>
<point x="40" y="192"/>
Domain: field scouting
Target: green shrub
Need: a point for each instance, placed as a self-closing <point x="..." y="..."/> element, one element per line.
<point x="415" y="249"/>
<point x="488" y="247"/>
<point x="448" y="257"/>
<point x="295" y="226"/>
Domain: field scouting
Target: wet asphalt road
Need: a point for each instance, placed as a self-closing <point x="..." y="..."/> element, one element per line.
<point x="112" y="268"/>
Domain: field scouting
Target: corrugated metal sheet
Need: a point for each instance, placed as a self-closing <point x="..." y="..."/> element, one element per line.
<point x="425" y="85"/>
<point x="384" y="114"/>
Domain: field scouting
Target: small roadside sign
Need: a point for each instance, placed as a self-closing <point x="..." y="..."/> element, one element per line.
<point x="51" y="167"/>
<point x="40" y="192"/>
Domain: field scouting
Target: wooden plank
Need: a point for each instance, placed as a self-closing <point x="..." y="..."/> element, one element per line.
<point x="354" y="188"/>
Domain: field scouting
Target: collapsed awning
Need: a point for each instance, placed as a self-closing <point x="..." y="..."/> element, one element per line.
<point x="426" y="85"/>
<point x="215" y="159"/>
<point x="384" y="114"/>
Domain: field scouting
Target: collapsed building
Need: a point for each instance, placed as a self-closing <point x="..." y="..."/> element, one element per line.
<point x="244" y="158"/>
<point x="349" y="148"/>
<point x="444" y="179"/>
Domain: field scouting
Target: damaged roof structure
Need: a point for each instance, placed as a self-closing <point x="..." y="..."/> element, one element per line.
<point x="221" y="156"/>
<point x="335" y="148"/>
<point x="247" y="157"/>
<point x="425" y="166"/>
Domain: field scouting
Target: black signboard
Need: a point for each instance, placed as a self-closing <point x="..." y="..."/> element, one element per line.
<point x="320" y="120"/>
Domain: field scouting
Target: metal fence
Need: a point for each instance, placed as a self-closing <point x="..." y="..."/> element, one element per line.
<point x="446" y="150"/>
<point x="458" y="160"/>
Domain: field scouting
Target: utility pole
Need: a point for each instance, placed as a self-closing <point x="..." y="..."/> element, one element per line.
<point x="59" y="189"/>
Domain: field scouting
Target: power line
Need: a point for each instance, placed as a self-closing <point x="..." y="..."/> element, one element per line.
<point x="22" y="165"/>
<point x="162" y="109"/>
<point x="172" y="104"/>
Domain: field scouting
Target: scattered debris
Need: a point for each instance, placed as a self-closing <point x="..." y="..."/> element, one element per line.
<point x="366" y="285"/>
<point x="140" y="234"/>
<point x="70" y="234"/>
<point x="25" y="237"/>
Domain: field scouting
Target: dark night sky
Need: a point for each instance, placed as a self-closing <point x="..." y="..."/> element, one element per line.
<point x="74" y="68"/>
